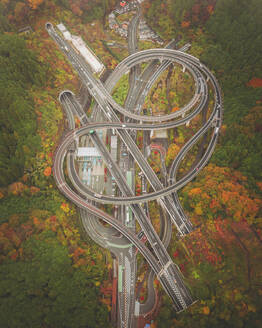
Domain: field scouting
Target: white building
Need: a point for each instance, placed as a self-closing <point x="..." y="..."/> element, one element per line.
<point x="87" y="152"/>
<point x="158" y="134"/>
<point x="83" y="49"/>
<point x="61" y="27"/>
<point x="91" y="58"/>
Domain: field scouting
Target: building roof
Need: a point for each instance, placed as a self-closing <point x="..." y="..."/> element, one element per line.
<point x="87" y="54"/>
<point x="80" y="45"/>
<point x="88" y="151"/>
<point x="113" y="141"/>
<point x="67" y="35"/>
<point x="158" y="133"/>
<point x="61" y="27"/>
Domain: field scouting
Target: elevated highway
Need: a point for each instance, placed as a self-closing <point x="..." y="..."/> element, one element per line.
<point x="161" y="263"/>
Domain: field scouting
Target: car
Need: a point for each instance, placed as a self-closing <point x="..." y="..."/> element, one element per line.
<point x="123" y="125"/>
<point x="98" y="195"/>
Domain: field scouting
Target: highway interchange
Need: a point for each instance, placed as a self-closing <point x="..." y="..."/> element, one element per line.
<point x="160" y="262"/>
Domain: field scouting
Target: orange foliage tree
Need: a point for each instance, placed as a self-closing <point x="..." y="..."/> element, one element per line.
<point x="255" y="82"/>
<point x="48" y="171"/>
<point x="185" y="24"/>
<point x="34" y="4"/>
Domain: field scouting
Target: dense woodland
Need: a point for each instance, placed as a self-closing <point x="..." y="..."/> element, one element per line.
<point x="50" y="275"/>
<point x="221" y="259"/>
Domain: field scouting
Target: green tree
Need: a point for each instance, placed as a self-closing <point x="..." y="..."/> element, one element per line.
<point x="19" y="70"/>
<point x="44" y="289"/>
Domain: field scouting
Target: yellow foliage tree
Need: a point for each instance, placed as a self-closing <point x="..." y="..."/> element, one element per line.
<point x="171" y="153"/>
<point x="198" y="210"/>
<point x="65" y="207"/>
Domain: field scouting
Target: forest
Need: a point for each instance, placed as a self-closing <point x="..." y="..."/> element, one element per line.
<point x="42" y="244"/>
<point x="221" y="259"/>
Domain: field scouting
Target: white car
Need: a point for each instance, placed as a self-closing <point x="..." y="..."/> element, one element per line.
<point x="98" y="195"/>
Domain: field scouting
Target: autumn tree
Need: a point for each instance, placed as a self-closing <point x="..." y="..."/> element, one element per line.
<point x="220" y="192"/>
<point x="172" y="152"/>
<point x="34" y="4"/>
